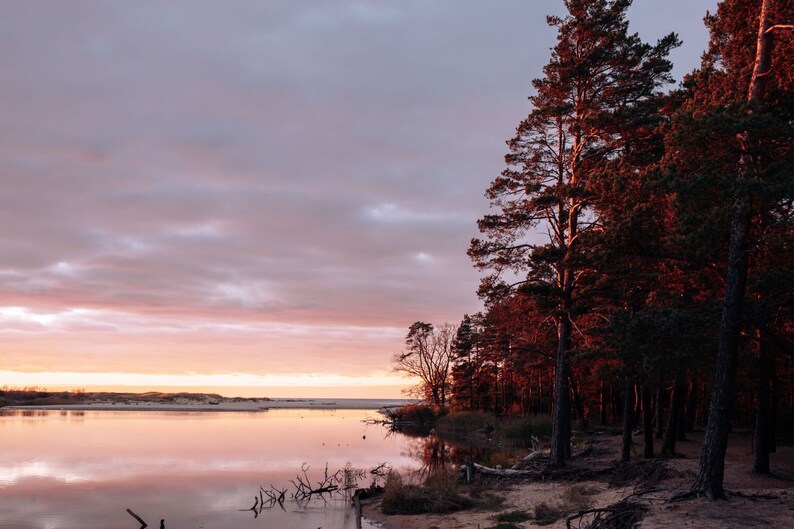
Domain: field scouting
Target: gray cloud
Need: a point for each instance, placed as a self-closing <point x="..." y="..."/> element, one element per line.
<point x="309" y="162"/>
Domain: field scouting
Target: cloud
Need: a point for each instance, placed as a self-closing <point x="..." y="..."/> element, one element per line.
<point x="316" y="164"/>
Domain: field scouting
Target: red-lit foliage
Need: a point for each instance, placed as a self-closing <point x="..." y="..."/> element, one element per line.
<point x="630" y="286"/>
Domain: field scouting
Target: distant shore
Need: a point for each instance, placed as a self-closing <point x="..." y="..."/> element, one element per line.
<point x="198" y="403"/>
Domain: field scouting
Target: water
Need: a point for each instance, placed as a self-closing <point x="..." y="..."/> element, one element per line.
<point x="77" y="469"/>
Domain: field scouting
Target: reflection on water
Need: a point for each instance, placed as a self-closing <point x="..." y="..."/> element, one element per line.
<point x="434" y="451"/>
<point x="84" y="469"/>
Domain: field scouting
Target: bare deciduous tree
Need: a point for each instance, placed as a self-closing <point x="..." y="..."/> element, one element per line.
<point x="428" y="357"/>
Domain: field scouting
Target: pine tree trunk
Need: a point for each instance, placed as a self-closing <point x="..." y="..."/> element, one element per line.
<point x="659" y="408"/>
<point x="647" y="421"/>
<point x="561" y="414"/>
<point x="774" y="401"/>
<point x="691" y="407"/>
<point x="578" y="403"/>
<point x="628" y="419"/>
<point x="682" y="413"/>
<point x="715" y="443"/>
<point x="673" y="417"/>
<point x="603" y="405"/>
<point x="762" y="411"/>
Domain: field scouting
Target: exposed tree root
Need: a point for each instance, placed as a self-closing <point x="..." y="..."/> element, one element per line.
<point x="622" y="515"/>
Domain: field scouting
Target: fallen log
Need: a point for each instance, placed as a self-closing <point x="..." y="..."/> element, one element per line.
<point x="512" y="472"/>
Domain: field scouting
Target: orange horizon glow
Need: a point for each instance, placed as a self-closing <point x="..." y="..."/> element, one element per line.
<point x="380" y="385"/>
<point x="110" y="350"/>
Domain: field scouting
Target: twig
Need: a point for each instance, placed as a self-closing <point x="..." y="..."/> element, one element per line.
<point x="140" y="520"/>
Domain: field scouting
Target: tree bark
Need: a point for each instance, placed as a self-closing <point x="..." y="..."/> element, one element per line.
<point x="561" y="414"/>
<point x="578" y="402"/>
<point x="659" y="405"/>
<point x="691" y="407"/>
<point x="603" y="405"/>
<point x="673" y="417"/>
<point x="647" y="421"/>
<point x="773" y="406"/>
<point x="628" y="419"/>
<point x="761" y="433"/>
<point x="682" y="413"/>
<point x="715" y="443"/>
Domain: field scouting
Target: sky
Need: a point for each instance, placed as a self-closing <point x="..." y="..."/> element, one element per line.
<point x="255" y="197"/>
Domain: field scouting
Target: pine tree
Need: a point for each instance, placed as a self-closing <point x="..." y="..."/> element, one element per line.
<point x="739" y="117"/>
<point x="465" y="366"/>
<point x="584" y="110"/>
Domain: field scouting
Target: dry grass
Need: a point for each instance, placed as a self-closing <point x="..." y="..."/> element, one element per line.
<point x="574" y="499"/>
<point x="513" y="516"/>
<point x="441" y="493"/>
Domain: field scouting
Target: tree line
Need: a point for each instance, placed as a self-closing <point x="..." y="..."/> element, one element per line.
<point x="639" y="251"/>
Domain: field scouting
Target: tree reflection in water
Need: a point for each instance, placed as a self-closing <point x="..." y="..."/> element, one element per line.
<point x="436" y="452"/>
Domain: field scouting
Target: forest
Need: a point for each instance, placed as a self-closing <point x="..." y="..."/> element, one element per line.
<point x="638" y="258"/>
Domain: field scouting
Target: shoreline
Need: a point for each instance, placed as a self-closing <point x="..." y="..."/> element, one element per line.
<point x="223" y="404"/>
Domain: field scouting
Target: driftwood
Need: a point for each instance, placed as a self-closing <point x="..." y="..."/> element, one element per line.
<point x="537" y="453"/>
<point x="515" y="471"/>
<point x="506" y="472"/>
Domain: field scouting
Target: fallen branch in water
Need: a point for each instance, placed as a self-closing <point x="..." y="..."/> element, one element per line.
<point x="140" y="520"/>
<point x="341" y="482"/>
<point x="274" y="496"/>
<point x="304" y="490"/>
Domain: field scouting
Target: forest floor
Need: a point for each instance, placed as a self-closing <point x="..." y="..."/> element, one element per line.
<point x="595" y="481"/>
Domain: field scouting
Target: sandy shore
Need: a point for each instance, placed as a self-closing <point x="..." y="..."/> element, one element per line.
<point x="222" y="404"/>
<point x="754" y="500"/>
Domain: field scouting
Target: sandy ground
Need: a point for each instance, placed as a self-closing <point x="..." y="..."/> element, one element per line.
<point x="208" y="403"/>
<point x="755" y="501"/>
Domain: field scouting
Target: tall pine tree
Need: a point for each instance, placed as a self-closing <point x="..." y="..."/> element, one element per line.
<point x="740" y="112"/>
<point x="585" y="107"/>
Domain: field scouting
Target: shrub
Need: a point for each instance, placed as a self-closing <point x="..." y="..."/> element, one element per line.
<point x="441" y="493"/>
<point x="419" y="414"/>
<point x="467" y="421"/>
<point x="500" y="459"/>
<point x="521" y="428"/>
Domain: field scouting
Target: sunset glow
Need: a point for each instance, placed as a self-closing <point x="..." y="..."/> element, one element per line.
<point x="316" y="385"/>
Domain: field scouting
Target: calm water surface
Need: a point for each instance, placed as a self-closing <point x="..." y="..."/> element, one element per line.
<point x="195" y="470"/>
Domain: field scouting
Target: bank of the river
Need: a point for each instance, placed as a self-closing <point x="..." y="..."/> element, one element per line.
<point x="596" y="482"/>
<point x="186" y="402"/>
